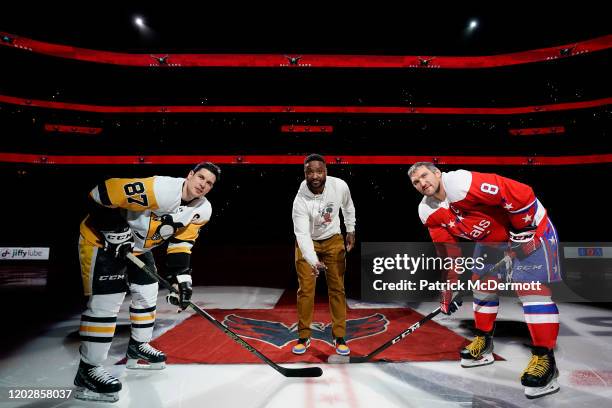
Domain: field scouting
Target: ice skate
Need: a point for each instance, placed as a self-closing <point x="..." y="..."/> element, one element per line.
<point x="94" y="383"/>
<point x="144" y="356"/>
<point x="540" y="376"/>
<point x="479" y="352"/>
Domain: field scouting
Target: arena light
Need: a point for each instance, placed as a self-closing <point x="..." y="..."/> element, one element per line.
<point x="139" y="21"/>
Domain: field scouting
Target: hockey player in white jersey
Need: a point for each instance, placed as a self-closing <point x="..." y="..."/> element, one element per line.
<point x="135" y="216"/>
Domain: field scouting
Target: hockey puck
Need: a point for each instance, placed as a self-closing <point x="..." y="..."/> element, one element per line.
<point x="337" y="359"/>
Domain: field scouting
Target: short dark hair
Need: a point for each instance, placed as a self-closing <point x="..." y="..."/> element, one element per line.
<point x="432" y="167"/>
<point x="314" y="157"/>
<point x="210" y="166"/>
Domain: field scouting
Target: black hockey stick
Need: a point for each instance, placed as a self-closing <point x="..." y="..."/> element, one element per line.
<point x="287" y="372"/>
<point x="363" y="359"/>
<point x="336" y="359"/>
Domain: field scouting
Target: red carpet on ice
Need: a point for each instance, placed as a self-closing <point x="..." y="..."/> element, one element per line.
<point x="274" y="331"/>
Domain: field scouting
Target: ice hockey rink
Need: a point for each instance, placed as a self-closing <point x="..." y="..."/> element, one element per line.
<point x="584" y="357"/>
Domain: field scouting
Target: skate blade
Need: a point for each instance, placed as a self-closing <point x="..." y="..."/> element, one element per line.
<point x="135" y="364"/>
<point x="537" y="392"/>
<point x="86" y="394"/>
<point x="486" y="359"/>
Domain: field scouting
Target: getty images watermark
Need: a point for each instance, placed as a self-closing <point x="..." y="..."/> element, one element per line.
<point x="412" y="264"/>
<point x="414" y="271"/>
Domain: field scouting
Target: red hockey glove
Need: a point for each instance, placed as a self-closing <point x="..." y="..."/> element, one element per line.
<point x="448" y="305"/>
<point x="524" y="243"/>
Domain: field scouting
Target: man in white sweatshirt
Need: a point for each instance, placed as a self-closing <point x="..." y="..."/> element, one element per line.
<point x="320" y="247"/>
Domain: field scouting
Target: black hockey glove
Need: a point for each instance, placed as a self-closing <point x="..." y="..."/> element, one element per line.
<point x="183" y="285"/>
<point x="118" y="243"/>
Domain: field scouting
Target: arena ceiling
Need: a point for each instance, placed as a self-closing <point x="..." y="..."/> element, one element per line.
<point x="391" y="28"/>
<point x="312" y="29"/>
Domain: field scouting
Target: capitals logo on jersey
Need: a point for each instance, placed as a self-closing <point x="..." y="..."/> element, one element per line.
<point x="279" y="334"/>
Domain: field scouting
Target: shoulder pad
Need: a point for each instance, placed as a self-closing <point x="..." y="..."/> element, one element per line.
<point x="168" y="191"/>
<point x="457" y="184"/>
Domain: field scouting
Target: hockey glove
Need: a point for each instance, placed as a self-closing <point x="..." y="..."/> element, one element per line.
<point x="524" y="243"/>
<point x="183" y="285"/>
<point x="448" y="305"/>
<point x="118" y="243"/>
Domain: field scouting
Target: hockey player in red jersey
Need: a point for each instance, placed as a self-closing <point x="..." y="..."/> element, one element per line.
<point x="505" y="219"/>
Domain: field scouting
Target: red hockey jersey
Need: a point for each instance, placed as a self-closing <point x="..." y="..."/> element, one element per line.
<point x="481" y="207"/>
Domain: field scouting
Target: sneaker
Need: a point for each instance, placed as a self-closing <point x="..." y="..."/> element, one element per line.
<point x="341" y="347"/>
<point x="479" y="352"/>
<point x="540" y="376"/>
<point x="302" y="344"/>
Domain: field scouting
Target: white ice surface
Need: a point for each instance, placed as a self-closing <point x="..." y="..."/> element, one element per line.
<point x="50" y="360"/>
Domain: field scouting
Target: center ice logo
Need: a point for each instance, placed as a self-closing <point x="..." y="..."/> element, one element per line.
<point x="279" y="334"/>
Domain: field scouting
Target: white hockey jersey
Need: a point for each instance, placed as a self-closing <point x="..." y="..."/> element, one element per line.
<point x="154" y="212"/>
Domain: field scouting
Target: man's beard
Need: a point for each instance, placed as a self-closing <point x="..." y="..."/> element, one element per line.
<point x="311" y="186"/>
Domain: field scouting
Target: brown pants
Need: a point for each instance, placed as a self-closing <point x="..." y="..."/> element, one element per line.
<point x="332" y="253"/>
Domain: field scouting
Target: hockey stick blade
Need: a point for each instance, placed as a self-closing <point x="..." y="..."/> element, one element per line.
<point x="287" y="372"/>
<point x="301" y="372"/>
<point x="337" y="359"/>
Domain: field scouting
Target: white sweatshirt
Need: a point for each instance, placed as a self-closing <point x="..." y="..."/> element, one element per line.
<point x="317" y="217"/>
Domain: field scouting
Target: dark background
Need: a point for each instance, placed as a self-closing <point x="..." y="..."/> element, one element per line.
<point x="249" y="240"/>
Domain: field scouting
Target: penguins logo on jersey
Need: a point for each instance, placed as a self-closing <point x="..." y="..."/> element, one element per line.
<point x="166" y="229"/>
